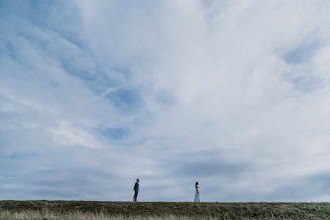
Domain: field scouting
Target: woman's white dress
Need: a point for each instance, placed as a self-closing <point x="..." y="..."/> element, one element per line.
<point x="197" y="198"/>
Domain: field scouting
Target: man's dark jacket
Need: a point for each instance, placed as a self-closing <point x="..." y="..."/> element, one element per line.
<point x="136" y="187"/>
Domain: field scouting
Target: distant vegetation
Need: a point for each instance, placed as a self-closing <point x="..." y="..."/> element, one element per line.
<point x="94" y="210"/>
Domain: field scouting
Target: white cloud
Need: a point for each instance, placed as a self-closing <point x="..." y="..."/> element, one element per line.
<point x="67" y="135"/>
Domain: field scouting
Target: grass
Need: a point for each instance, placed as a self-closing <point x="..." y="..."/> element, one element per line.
<point x="95" y="210"/>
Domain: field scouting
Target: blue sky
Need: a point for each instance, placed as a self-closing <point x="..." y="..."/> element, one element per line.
<point x="232" y="94"/>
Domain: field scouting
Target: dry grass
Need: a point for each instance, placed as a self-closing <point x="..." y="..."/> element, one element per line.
<point x="47" y="215"/>
<point x="97" y="210"/>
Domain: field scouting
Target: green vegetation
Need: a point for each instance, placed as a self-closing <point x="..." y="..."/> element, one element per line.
<point x="161" y="210"/>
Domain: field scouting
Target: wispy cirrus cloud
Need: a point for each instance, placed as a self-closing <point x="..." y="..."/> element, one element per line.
<point x="230" y="94"/>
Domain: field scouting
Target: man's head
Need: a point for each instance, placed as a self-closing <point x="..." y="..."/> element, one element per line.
<point x="137" y="180"/>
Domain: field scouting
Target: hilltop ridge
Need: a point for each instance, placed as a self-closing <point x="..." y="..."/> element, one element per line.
<point x="129" y="210"/>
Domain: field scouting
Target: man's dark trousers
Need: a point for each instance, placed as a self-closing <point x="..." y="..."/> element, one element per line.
<point x="135" y="196"/>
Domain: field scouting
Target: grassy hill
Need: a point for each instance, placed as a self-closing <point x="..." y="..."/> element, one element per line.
<point x="160" y="210"/>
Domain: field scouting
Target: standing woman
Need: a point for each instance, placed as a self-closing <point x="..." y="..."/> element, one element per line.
<point x="197" y="198"/>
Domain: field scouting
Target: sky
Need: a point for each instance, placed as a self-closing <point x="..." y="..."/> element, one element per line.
<point x="232" y="94"/>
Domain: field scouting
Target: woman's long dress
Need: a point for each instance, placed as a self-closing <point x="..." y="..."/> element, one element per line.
<point x="197" y="198"/>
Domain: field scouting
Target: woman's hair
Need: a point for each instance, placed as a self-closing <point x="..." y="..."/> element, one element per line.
<point x="196" y="183"/>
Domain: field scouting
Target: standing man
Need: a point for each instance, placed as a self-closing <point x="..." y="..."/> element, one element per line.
<point x="136" y="190"/>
